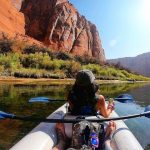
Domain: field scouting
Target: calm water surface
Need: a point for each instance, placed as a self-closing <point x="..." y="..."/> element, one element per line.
<point x="14" y="99"/>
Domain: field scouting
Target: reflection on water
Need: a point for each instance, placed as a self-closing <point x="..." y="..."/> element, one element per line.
<point x="14" y="99"/>
<point x="141" y="94"/>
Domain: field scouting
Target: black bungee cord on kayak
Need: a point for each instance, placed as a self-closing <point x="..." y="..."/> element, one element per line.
<point x="146" y="113"/>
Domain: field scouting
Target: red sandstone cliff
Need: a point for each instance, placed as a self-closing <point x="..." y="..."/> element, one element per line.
<point x="17" y="4"/>
<point x="11" y="21"/>
<point x="56" y="23"/>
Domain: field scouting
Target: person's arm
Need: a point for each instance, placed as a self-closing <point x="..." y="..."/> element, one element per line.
<point x="101" y="106"/>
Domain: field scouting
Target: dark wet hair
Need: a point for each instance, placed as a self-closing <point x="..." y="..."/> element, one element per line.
<point x="85" y="94"/>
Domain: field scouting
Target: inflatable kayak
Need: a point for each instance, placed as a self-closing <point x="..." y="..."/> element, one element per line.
<point x="43" y="136"/>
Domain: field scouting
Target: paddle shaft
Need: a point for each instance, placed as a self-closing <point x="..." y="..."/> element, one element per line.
<point x="46" y="100"/>
<point x="124" y="98"/>
<point x="57" y="100"/>
<point x="76" y="120"/>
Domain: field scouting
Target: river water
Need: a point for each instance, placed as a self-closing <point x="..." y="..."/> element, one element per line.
<point x="14" y="99"/>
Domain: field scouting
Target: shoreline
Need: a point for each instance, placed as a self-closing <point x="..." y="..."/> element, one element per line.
<point x="14" y="80"/>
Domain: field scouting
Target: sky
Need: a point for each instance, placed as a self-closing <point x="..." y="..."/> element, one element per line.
<point x="123" y="25"/>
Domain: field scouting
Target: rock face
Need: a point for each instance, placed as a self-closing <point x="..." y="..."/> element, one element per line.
<point x="17" y="3"/>
<point x="139" y="64"/>
<point x="11" y="21"/>
<point x="56" y="23"/>
<point x="59" y="25"/>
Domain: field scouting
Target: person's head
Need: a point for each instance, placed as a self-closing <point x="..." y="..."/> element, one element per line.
<point x="84" y="91"/>
<point x="86" y="79"/>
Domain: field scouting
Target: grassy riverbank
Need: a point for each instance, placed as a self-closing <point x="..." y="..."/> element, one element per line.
<point x="20" y="60"/>
<point x="67" y="81"/>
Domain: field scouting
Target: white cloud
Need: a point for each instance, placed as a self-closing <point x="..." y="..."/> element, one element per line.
<point x="113" y="42"/>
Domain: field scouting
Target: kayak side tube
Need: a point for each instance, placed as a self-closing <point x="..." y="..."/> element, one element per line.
<point x="43" y="137"/>
<point x="122" y="138"/>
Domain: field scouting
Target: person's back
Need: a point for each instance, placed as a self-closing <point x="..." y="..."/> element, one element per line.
<point x="82" y="98"/>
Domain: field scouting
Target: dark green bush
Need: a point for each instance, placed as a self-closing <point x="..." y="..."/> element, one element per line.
<point x="35" y="73"/>
<point x="63" y="56"/>
<point x="32" y="49"/>
<point x="5" y="46"/>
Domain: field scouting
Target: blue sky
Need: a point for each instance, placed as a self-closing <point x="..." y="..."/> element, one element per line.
<point x="123" y="25"/>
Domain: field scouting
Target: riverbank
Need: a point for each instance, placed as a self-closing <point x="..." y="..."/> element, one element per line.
<point x="52" y="66"/>
<point x="55" y="81"/>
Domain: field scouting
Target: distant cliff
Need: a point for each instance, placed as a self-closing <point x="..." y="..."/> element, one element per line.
<point x="139" y="64"/>
<point x="56" y="23"/>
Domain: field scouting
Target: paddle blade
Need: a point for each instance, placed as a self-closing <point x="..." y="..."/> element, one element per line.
<point x="147" y="109"/>
<point x="4" y="115"/>
<point x="124" y="98"/>
<point x="39" y="99"/>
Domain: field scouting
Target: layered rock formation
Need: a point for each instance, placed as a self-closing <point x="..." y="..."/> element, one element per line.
<point x="59" y="25"/>
<point x="11" y="21"/>
<point x="56" y="23"/>
<point x="17" y="4"/>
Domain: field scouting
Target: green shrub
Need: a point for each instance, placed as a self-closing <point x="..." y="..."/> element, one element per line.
<point x="32" y="49"/>
<point x="10" y="60"/>
<point x="2" y="70"/>
<point x="36" y="73"/>
<point x="127" y="74"/>
<point x="86" y="60"/>
<point x="5" y="46"/>
<point x="34" y="60"/>
<point x="63" y="56"/>
<point x="70" y="68"/>
<point x="93" y="67"/>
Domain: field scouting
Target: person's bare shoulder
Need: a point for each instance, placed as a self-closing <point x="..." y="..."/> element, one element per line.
<point x="101" y="97"/>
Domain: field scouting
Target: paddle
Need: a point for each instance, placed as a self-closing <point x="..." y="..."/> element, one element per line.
<point x="123" y="98"/>
<point x="4" y="115"/>
<point x="44" y="100"/>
